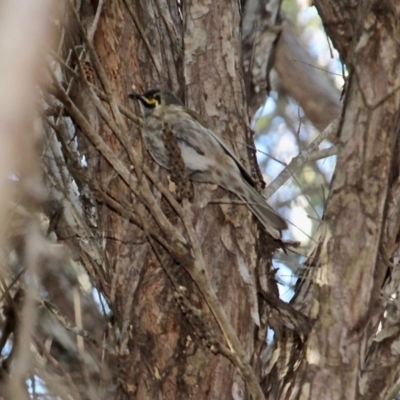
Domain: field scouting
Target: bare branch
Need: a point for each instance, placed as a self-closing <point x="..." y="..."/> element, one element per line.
<point x="311" y="154"/>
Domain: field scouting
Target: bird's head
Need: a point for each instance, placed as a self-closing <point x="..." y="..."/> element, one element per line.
<point x="154" y="98"/>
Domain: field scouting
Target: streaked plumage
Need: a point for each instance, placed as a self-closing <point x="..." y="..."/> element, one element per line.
<point x="207" y="158"/>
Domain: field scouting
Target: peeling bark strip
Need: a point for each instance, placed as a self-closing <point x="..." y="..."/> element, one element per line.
<point x="347" y="286"/>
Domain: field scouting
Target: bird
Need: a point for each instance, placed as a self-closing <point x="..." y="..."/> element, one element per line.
<point x="207" y="158"/>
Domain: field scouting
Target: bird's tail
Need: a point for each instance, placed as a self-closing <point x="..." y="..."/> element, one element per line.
<point x="269" y="218"/>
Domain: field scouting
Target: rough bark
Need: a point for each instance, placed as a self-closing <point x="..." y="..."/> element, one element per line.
<point x="159" y="264"/>
<point x="341" y="288"/>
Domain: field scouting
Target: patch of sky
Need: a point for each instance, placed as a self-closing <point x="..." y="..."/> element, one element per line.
<point x="101" y="302"/>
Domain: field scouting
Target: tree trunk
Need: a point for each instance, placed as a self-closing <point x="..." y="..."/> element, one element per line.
<point x="185" y="307"/>
<point x="344" y="279"/>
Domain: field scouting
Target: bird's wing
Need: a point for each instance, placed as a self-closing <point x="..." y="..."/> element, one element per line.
<point x="227" y="149"/>
<point x="190" y="143"/>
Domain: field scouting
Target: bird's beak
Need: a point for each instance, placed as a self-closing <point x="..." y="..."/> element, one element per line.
<point x="135" y="96"/>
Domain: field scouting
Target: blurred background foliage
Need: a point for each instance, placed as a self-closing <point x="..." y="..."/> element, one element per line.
<point x="282" y="131"/>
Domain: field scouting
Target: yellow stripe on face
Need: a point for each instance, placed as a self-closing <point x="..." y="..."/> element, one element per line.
<point x="150" y="102"/>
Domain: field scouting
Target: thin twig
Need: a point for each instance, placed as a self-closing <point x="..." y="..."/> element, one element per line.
<point x="297" y="162"/>
<point x="141" y="191"/>
<point x="100" y="70"/>
<point x="93" y="28"/>
<point x="149" y="48"/>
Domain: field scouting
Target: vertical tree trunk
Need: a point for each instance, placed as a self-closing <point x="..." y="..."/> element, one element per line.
<point x="342" y="285"/>
<point x="171" y="343"/>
